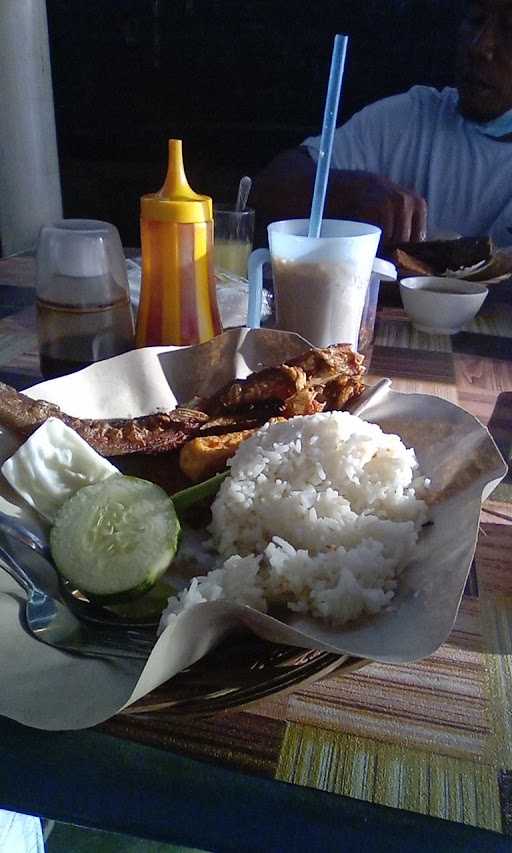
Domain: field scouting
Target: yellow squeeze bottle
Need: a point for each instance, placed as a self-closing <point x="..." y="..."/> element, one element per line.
<point x="178" y="302"/>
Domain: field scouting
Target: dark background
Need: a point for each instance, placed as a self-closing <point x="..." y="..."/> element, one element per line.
<point x="237" y="81"/>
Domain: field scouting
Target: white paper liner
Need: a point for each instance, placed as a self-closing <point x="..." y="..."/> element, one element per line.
<point x="50" y="689"/>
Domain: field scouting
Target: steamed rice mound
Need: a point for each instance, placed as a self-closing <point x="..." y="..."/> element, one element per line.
<point x="320" y="513"/>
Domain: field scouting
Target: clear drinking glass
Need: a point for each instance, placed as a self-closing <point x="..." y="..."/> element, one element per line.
<point x="369" y="314"/>
<point x="83" y="301"/>
<point x="234" y="235"/>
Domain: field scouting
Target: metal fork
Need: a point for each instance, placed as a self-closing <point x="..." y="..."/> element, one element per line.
<point x="51" y="622"/>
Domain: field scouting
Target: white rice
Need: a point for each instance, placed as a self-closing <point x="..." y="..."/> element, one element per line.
<point x="320" y="513"/>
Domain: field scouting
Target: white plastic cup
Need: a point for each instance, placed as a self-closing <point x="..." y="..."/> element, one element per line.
<point x="80" y="262"/>
<point x="320" y="283"/>
<point x="83" y="303"/>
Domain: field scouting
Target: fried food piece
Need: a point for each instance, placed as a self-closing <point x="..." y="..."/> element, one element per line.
<point x="149" y="434"/>
<point x="316" y="380"/>
<point x="271" y="383"/>
<point x="450" y="254"/>
<point x="304" y="402"/>
<point x="157" y="433"/>
<point x="21" y="413"/>
<point x="334" y="376"/>
<point x="408" y="265"/>
<point x="321" y="365"/>
<point x="435" y="257"/>
<point x="313" y="368"/>
<point x="252" y="418"/>
<point x="201" y="458"/>
<point x="336" y="394"/>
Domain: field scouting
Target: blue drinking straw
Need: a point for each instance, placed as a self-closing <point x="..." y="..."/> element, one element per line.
<point x="329" y="126"/>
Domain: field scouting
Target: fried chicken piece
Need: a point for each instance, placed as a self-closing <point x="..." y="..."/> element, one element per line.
<point x="333" y="396"/>
<point x="320" y="365"/>
<point x="271" y="383"/>
<point x="149" y="434"/>
<point x="317" y="380"/>
<point x="323" y="392"/>
<point x="304" y="402"/>
<point x="312" y="368"/>
<point x="336" y="394"/>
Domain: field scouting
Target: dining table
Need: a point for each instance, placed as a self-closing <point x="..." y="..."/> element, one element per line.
<point x="402" y="757"/>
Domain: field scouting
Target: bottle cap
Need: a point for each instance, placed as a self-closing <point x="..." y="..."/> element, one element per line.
<point x="176" y="201"/>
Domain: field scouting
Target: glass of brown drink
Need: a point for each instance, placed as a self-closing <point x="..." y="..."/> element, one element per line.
<point x="83" y="302"/>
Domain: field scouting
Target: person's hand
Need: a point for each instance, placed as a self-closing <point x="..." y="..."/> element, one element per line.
<point x="399" y="212"/>
<point x="285" y="189"/>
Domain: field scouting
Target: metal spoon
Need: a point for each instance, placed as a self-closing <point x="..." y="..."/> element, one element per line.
<point x="13" y="526"/>
<point x="244" y="188"/>
<point x="51" y="622"/>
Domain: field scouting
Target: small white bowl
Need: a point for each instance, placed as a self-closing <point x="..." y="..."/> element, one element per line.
<point x="441" y="306"/>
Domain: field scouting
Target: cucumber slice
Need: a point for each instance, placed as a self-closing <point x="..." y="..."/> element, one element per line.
<point x="114" y="539"/>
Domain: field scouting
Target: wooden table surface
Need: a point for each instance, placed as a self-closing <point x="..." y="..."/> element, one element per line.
<point x="429" y="738"/>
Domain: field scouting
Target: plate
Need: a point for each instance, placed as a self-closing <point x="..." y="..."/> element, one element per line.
<point x="239" y="672"/>
<point x="453" y="448"/>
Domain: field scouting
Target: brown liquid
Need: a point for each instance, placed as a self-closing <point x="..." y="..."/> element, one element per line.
<point x="438" y="288"/>
<point x="51" y="368"/>
<point x="71" y="338"/>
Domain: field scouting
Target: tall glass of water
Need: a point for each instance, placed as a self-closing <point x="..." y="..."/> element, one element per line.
<point x="83" y="302"/>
